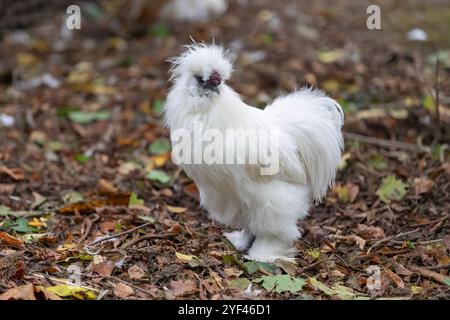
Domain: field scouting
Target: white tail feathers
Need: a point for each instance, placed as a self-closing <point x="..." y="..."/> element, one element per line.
<point x="315" y="121"/>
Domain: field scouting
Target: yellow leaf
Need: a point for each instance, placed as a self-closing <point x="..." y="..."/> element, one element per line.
<point x="343" y="162"/>
<point x="175" y="209"/>
<point x="330" y="56"/>
<point x="26" y="59"/>
<point x="415" y="289"/>
<point x="65" y="291"/>
<point x="37" y="223"/>
<point x="161" y="159"/>
<point x="65" y="247"/>
<point x="117" y="43"/>
<point x="330" y="85"/>
<point x="184" y="257"/>
<point x="150" y="166"/>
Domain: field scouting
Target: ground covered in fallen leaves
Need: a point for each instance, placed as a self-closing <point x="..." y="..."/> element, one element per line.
<point x="88" y="195"/>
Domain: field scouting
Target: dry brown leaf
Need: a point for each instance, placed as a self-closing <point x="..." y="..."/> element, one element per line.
<point x="9" y="240"/>
<point x="136" y="272"/>
<point x="182" y="288"/>
<point x="352" y="239"/>
<point x="423" y="185"/>
<point x="14" y="173"/>
<point x="192" y="191"/>
<point x="106" y="186"/>
<point x="104" y="268"/>
<point x="25" y="292"/>
<point x="121" y="290"/>
<point x="47" y="294"/>
<point x="370" y="232"/>
<point x="233" y="272"/>
<point x="7" y="188"/>
<point x="395" y="278"/>
<point x="401" y="270"/>
<point x="108" y="226"/>
<point x="120" y="199"/>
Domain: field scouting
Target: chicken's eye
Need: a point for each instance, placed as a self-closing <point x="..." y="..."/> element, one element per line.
<point x="199" y="80"/>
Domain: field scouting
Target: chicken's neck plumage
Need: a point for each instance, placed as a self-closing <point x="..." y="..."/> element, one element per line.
<point x="224" y="111"/>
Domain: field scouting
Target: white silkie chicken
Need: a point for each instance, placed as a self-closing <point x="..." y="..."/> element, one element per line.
<point x="265" y="208"/>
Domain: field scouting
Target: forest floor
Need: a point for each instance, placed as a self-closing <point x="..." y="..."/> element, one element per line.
<point x="88" y="194"/>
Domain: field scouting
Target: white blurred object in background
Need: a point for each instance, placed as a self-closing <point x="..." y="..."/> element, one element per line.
<point x="6" y="120"/>
<point x="194" y="10"/>
<point x="417" y="34"/>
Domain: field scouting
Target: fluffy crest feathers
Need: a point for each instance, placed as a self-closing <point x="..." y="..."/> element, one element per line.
<point x="201" y="59"/>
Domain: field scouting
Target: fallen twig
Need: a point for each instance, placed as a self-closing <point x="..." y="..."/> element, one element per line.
<point x="438" y="267"/>
<point x="119" y="234"/>
<point x="148" y="237"/>
<point x="419" y="242"/>
<point x="431" y="275"/>
<point x="312" y="265"/>
<point x="382" y="142"/>
<point x="390" y="239"/>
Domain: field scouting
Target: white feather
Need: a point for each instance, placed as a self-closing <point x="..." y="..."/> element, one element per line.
<point x="267" y="208"/>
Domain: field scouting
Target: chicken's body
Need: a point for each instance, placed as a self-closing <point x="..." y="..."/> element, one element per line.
<point x="265" y="207"/>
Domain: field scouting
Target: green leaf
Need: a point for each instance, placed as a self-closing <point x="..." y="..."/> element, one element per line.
<point x="64" y="111"/>
<point x="232" y="260"/>
<point x="82" y="117"/>
<point x="160" y="146"/>
<point x="391" y="189"/>
<point x="92" y="10"/>
<point x="160" y="30"/>
<point x="126" y="62"/>
<point x="253" y="266"/>
<point x="282" y="283"/>
<point x="443" y="56"/>
<point x="32" y="237"/>
<point x="378" y="162"/>
<point x="81" y="158"/>
<point x="338" y="290"/>
<point x="5" y="211"/>
<point x="55" y="145"/>
<point x="158" y="106"/>
<point x="438" y="152"/>
<point x="428" y="103"/>
<point x="267" y="38"/>
<point x="159" y="176"/>
<point x="239" y="283"/>
<point x="72" y="197"/>
<point x="447" y="281"/>
<point x="314" y="253"/>
<point x="21" y="225"/>
<point x="146" y="218"/>
<point x="135" y="201"/>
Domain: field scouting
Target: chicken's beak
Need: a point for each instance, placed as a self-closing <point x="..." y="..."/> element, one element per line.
<point x="212" y="88"/>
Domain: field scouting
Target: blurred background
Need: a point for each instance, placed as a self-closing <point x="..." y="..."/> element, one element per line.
<point x="80" y="110"/>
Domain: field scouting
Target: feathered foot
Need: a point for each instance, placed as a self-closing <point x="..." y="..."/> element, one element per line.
<point x="270" y="249"/>
<point x="241" y="240"/>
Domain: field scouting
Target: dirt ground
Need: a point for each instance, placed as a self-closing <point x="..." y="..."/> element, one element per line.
<point x="88" y="194"/>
